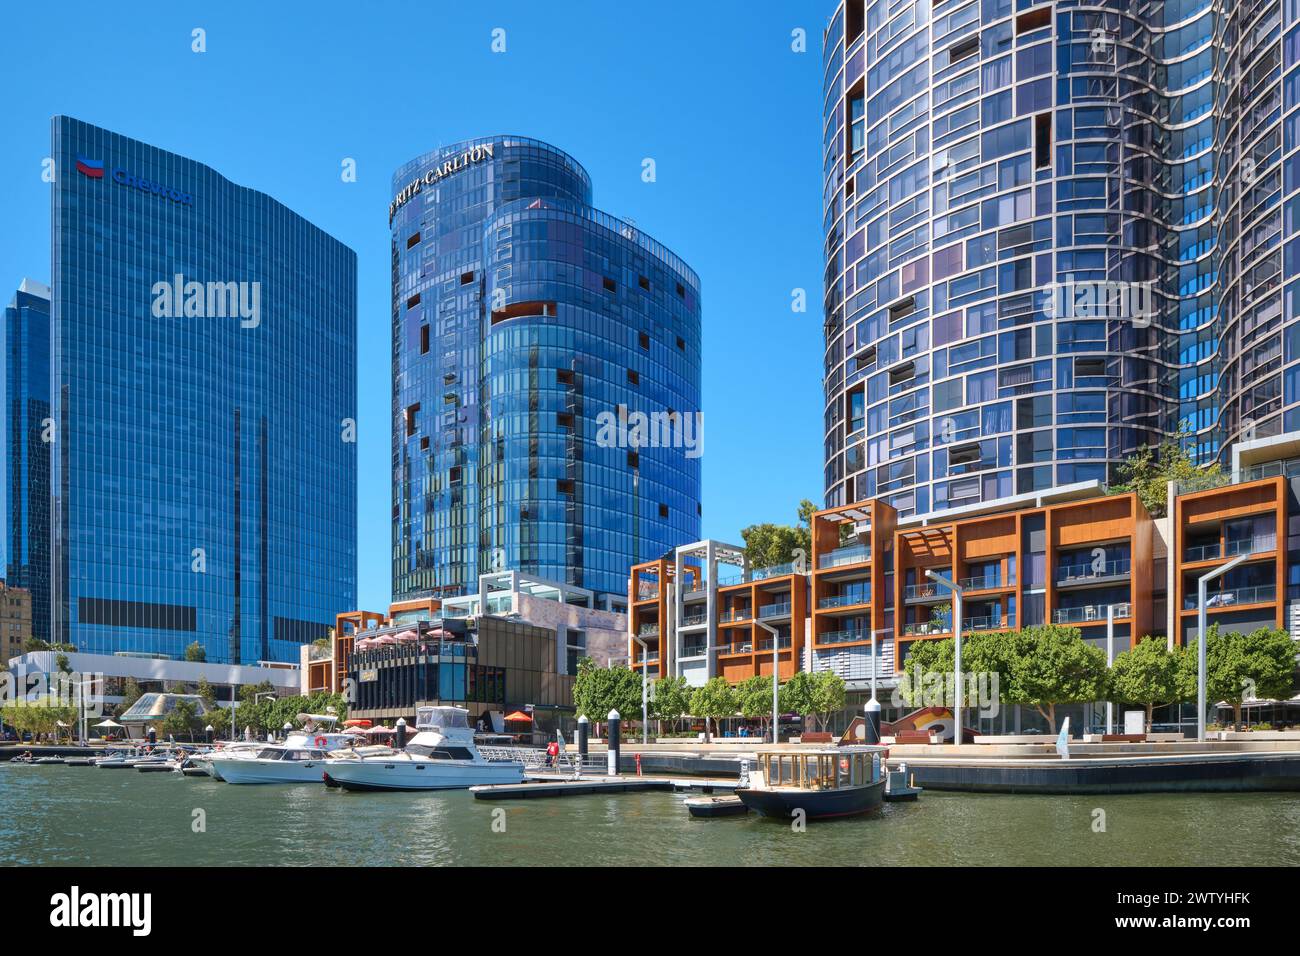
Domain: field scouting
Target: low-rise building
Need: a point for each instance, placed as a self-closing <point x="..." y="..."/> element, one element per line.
<point x="15" y="621"/>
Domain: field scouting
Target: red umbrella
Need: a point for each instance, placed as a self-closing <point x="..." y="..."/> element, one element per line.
<point x="519" y="715"/>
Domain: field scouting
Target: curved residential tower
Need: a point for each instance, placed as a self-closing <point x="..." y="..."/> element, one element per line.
<point x="1055" y="232"/>
<point x="546" y="379"/>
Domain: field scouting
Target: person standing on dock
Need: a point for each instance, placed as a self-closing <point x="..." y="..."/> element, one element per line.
<point x="553" y="753"/>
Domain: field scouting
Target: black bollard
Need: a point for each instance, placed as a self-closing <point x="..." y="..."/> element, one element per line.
<point x="207" y="732"/>
<point x="612" y="752"/>
<point x="401" y="733"/>
<point x="872" y="729"/>
<point x="584" y="731"/>
<point x="152" y="736"/>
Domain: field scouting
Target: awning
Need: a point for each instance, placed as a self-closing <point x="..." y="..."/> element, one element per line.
<point x="519" y="715"/>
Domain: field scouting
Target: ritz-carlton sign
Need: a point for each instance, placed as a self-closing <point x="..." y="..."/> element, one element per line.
<point x="455" y="164"/>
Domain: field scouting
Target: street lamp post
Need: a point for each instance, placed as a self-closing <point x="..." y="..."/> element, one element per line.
<point x="1110" y="662"/>
<point x="957" y="593"/>
<point x="1201" y="584"/>
<point x="776" y="676"/>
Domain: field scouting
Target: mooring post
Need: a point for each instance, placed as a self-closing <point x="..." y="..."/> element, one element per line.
<point x="872" y="709"/>
<point x="611" y="757"/>
<point x="584" y="731"/>
<point x="401" y="733"/>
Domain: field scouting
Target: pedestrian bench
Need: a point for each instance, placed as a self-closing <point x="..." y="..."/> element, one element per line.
<point x="1123" y="738"/>
<point x="817" y="737"/>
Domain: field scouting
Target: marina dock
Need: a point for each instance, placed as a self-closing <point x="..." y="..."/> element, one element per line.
<point x="543" y="785"/>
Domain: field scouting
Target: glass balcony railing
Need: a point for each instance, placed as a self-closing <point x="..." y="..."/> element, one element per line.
<point x="648" y="630"/>
<point x="693" y="618"/>
<point x="775" y="571"/>
<point x="1259" y="544"/>
<point x="1074" y="573"/>
<point x="646" y="590"/>
<point x="744" y="647"/>
<point x="844" y="637"/>
<point x="737" y="614"/>
<point x="987" y="624"/>
<point x="774" y="610"/>
<point x="853" y="554"/>
<point x="983" y="582"/>
<point x="923" y="592"/>
<point x="1203" y="552"/>
<point x="844" y="600"/>
<point x="694" y="648"/>
<point x="1228" y="597"/>
<point x="651" y="658"/>
<point x="1088" y="613"/>
<point x="925" y="628"/>
<point x="765" y="644"/>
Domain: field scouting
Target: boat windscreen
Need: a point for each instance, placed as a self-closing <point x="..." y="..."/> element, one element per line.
<point x="447" y="718"/>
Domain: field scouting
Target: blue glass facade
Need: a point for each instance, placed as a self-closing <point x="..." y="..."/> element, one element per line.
<point x="981" y="156"/>
<point x="204" y="374"/>
<point x="522" y="319"/>
<point x="25" y="433"/>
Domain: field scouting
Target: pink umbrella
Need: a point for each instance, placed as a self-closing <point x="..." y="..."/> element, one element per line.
<point x="365" y="644"/>
<point x="405" y="636"/>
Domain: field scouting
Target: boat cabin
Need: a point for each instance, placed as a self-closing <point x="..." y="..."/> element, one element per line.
<point x="831" y="768"/>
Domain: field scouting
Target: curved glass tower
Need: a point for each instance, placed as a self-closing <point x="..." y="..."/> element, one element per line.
<point x="204" y="388"/>
<point x="1054" y="233"/>
<point x="531" y="334"/>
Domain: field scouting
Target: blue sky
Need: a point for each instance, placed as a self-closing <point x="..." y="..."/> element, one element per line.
<point x="712" y="91"/>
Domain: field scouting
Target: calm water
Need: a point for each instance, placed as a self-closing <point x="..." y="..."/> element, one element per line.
<point x="86" y="816"/>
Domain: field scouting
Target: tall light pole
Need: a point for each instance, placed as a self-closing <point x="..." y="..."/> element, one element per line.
<point x="1110" y="662"/>
<point x="645" y="684"/>
<point x="776" y="676"/>
<point x="957" y="593"/>
<point x="1201" y="584"/>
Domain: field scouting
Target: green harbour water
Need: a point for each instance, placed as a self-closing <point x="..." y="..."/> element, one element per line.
<point x="85" y="816"/>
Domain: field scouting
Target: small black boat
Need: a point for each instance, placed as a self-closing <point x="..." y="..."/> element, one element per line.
<point x="821" y="783"/>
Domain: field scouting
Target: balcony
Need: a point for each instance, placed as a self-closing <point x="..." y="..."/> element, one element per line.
<point x="1229" y="597"/>
<point x="1092" y="572"/>
<point x="991" y="623"/>
<point x="744" y="647"/>
<point x="843" y="600"/>
<point x="1260" y="544"/>
<point x="1203" y="552"/>
<point x="774" y="610"/>
<point x="986" y="582"/>
<point x="929" y="591"/>
<point x="844" y="637"/>
<point x="694" y="618"/>
<point x="647" y="591"/>
<point x="854" y="554"/>
<point x="1089" y="613"/>
<point x="694" y="648"/>
<point x="927" y="628"/>
<point x="651" y="658"/>
<point x="765" y="644"/>
<point x="648" y="630"/>
<point x="775" y="571"/>
<point x="736" y="614"/>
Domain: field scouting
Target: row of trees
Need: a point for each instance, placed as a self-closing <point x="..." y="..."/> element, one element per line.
<point x="40" y="717"/>
<point x="1042" y="667"/>
<point x="598" y="690"/>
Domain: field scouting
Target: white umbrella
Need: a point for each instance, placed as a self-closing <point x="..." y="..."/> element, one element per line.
<point x="108" y="723"/>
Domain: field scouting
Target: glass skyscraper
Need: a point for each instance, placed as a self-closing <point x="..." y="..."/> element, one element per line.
<point x="203" y="356"/>
<point x="1054" y="232"/>
<point x="525" y="322"/>
<point x="26" y="429"/>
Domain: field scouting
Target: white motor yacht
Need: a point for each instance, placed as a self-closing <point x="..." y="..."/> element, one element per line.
<point x="441" y="756"/>
<point x="297" y="760"/>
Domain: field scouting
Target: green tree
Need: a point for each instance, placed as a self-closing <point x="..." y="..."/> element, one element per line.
<point x="754" y="699"/>
<point x="1052" y="665"/>
<point x="206" y="691"/>
<point x="598" y="690"/>
<point x="1148" y="472"/>
<point x="130" y="694"/>
<point x="1148" y="674"/>
<point x="799" y="695"/>
<point x="219" y="719"/>
<point x="827" y="695"/>
<point x="670" y="699"/>
<point x="196" y="652"/>
<point x="38" y="717"/>
<point x="1239" y="667"/>
<point x="983" y="653"/>
<point x="183" y="720"/>
<point x="767" y="545"/>
<point x="713" y="701"/>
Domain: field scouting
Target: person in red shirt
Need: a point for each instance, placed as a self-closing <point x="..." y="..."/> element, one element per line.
<point x="553" y="753"/>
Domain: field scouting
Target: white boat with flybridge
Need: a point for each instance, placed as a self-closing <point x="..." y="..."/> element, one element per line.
<point x="441" y="756"/>
<point x="297" y="760"/>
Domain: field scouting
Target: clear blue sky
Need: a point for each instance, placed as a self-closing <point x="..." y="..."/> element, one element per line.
<point x="710" y="90"/>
